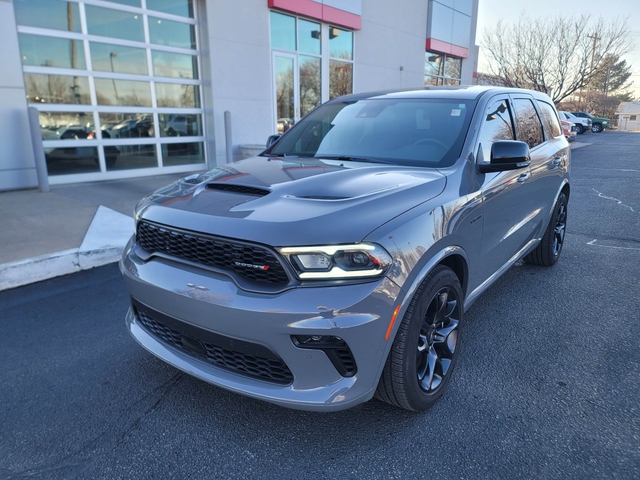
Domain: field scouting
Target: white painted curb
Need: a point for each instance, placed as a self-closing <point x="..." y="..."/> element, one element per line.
<point x="107" y="235"/>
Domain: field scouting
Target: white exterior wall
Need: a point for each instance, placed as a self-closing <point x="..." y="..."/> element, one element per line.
<point x="392" y="37"/>
<point x="240" y="73"/>
<point x="17" y="166"/>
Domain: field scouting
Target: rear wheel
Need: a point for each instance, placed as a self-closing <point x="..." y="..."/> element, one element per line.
<point x="548" y="250"/>
<point x="425" y="350"/>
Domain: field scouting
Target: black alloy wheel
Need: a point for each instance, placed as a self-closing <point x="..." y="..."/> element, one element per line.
<point x="548" y="250"/>
<point x="559" y="229"/>
<point x="426" y="346"/>
<point x="438" y="340"/>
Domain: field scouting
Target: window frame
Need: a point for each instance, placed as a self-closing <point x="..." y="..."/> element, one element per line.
<point x="441" y="77"/>
<point x="324" y="57"/>
<point x="151" y="79"/>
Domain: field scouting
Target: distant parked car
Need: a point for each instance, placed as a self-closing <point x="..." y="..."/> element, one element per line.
<point x="338" y="264"/>
<point x="598" y="123"/>
<point x="569" y="129"/>
<point x="583" y="124"/>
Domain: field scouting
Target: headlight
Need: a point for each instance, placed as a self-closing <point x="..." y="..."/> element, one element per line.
<point x="333" y="262"/>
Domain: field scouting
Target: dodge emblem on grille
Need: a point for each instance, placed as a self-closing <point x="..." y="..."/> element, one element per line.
<point x="248" y="265"/>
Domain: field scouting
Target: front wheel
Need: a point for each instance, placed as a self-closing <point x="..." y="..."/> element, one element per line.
<point x="425" y="350"/>
<point x="596" y="128"/>
<point x="580" y="129"/>
<point x="548" y="250"/>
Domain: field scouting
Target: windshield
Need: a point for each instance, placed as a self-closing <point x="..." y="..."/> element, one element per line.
<point x="424" y="132"/>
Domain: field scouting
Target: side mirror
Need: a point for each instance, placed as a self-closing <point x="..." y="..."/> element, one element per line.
<point x="272" y="139"/>
<point x="507" y="155"/>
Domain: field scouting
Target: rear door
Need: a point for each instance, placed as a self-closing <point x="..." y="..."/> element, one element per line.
<point x="506" y="228"/>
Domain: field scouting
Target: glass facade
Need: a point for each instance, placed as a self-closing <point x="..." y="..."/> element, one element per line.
<point x="312" y="63"/>
<point x="441" y="69"/>
<point x="114" y="85"/>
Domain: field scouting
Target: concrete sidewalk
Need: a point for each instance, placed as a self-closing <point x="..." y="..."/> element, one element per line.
<point x="71" y="228"/>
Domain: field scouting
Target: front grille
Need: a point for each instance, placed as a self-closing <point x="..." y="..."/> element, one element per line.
<point x="225" y="254"/>
<point x="230" y="187"/>
<point x="254" y="360"/>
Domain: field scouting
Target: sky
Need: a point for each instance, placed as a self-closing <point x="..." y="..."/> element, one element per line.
<point x="491" y="11"/>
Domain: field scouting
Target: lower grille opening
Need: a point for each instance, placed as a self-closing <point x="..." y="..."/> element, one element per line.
<point x="335" y="348"/>
<point x="245" y="358"/>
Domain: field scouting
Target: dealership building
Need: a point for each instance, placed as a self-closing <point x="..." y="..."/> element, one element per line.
<point x="128" y="88"/>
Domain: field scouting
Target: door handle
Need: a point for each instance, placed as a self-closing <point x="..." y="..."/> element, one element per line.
<point x="523" y="177"/>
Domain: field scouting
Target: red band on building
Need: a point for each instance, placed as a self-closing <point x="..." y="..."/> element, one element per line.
<point x="318" y="11"/>
<point x="439" y="46"/>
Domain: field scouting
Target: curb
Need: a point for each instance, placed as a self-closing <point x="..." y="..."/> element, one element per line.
<point x="36" y="269"/>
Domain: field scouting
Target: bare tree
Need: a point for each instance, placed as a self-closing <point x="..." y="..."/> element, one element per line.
<point x="556" y="56"/>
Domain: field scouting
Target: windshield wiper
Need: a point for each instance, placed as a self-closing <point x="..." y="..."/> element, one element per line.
<point x="349" y="158"/>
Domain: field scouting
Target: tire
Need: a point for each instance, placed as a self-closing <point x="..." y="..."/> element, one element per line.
<point x="596" y="128"/>
<point x="548" y="250"/>
<point x="580" y="129"/>
<point x="421" y="347"/>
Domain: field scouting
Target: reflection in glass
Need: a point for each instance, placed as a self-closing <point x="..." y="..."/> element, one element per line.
<point x="63" y="161"/>
<point x="66" y="125"/>
<point x="451" y="81"/>
<point x="123" y="92"/>
<point x="167" y="64"/>
<point x="431" y="81"/>
<point x="126" y="125"/>
<point x="182" y="153"/>
<point x="57" y="89"/>
<point x="173" y="34"/>
<point x="309" y="37"/>
<point x="340" y="43"/>
<point x="51" y="52"/>
<point x="130" y="156"/>
<point x="48" y="14"/>
<point x="114" y="23"/>
<point x="340" y="78"/>
<point x="176" y="7"/>
<point x="118" y="59"/>
<point x="283" y="31"/>
<point x="173" y="95"/>
<point x="529" y="128"/>
<point x="285" y="114"/>
<point x="180" y="124"/>
<point x="310" y="81"/>
<point x="433" y="64"/>
<point x="452" y="67"/>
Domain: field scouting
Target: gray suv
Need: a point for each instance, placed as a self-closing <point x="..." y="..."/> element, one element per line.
<point x="337" y="265"/>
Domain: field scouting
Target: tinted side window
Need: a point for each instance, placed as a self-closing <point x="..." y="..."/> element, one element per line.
<point x="529" y="127"/>
<point x="497" y="125"/>
<point x="549" y="119"/>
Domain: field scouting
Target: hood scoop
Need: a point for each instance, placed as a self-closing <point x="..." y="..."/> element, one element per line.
<point x="240" y="189"/>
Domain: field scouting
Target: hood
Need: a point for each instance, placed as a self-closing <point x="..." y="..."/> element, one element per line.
<point x="282" y="202"/>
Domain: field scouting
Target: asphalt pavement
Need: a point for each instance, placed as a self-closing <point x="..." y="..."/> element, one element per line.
<point x="547" y="385"/>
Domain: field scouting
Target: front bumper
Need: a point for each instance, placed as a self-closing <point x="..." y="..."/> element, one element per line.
<point x="359" y="314"/>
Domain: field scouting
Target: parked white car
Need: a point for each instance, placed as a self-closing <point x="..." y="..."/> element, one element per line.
<point x="584" y="124"/>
